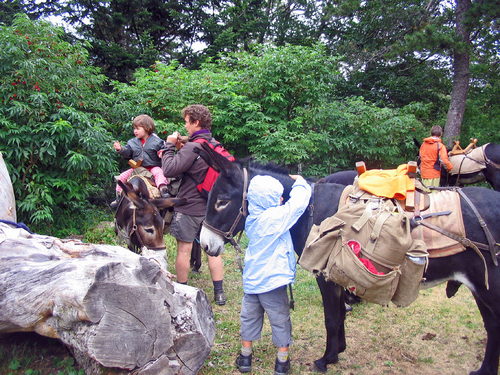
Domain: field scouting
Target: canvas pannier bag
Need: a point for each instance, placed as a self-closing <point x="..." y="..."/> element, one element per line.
<point x="383" y="231"/>
<point x="380" y="226"/>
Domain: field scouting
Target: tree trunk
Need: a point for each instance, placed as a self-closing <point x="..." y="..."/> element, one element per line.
<point x="118" y="312"/>
<point x="460" y="77"/>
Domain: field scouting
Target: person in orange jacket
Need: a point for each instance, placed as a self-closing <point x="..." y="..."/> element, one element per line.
<point x="432" y="154"/>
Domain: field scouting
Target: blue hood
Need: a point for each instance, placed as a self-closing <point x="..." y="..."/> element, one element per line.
<point x="264" y="192"/>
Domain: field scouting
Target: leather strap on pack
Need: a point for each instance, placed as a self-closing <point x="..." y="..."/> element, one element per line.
<point x="489" y="237"/>
<point x="372" y="205"/>
<point x="462" y="240"/>
<point x="419" y="220"/>
<point x="492" y="245"/>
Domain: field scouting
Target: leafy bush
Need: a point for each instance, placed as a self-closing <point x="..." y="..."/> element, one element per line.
<point x="355" y="130"/>
<point x="277" y="104"/>
<point x="55" y="142"/>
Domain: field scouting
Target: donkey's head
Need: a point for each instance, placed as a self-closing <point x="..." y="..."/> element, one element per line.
<point x="224" y="202"/>
<point x="138" y="218"/>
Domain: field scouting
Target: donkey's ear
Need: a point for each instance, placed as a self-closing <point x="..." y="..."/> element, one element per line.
<point x="213" y="158"/>
<point x="129" y="191"/>
<point x="125" y="187"/>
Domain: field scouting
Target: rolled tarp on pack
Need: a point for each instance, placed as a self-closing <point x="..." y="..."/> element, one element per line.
<point x="471" y="162"/>
<point x="7" y="200"/>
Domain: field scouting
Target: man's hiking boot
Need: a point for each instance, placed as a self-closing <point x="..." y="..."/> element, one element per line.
<point x="282" y="368"/>
<point x="220" y="298"/>
<point x="244" y="363"/>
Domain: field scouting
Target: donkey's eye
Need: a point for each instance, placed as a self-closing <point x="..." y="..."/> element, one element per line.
<point x="149" y="230"/>
<point x="221" y="204"/>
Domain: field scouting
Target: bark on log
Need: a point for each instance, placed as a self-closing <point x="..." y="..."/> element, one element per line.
<point x="118" y="312"/>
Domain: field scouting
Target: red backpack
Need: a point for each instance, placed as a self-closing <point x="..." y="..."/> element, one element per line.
<point x="206" y="185"/>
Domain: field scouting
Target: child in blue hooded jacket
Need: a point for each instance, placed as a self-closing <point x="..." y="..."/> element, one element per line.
<point x="269" y="265"/>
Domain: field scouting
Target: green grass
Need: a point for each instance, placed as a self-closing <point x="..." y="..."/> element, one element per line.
<point x="31" y="354"/>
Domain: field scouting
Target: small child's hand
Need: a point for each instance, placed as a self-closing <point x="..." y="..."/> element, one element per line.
<point x="117" y="146"/>
<point x="295" y="176"/>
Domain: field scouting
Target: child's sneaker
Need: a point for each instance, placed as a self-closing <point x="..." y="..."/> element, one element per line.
<point x="244" y="363"/>
<point x="282" y="368"/>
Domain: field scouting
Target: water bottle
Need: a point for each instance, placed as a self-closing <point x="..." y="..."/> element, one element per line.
<point x="417" y="260"/>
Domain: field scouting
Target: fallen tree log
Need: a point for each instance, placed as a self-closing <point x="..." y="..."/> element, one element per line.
<point x="117" y="312"/>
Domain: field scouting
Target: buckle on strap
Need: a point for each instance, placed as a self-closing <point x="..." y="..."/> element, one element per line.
<point x="415" y="221"/>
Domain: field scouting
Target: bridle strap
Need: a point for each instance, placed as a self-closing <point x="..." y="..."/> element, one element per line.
<point x="134" y="230"/>
<point x="243" y="212"/>
<point x="244" y="202"/>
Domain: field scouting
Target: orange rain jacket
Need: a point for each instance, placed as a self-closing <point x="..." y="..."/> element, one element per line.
<point x="429" y="156"/>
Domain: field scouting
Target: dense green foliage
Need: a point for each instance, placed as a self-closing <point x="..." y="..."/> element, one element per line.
<point x="279" y="104"/>
<point x="52" y="133"/>
<point x="386" y="46"/>
<point x="128" y="34"/>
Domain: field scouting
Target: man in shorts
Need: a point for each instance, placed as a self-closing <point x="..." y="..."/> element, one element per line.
<point x="180" y="159"/>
